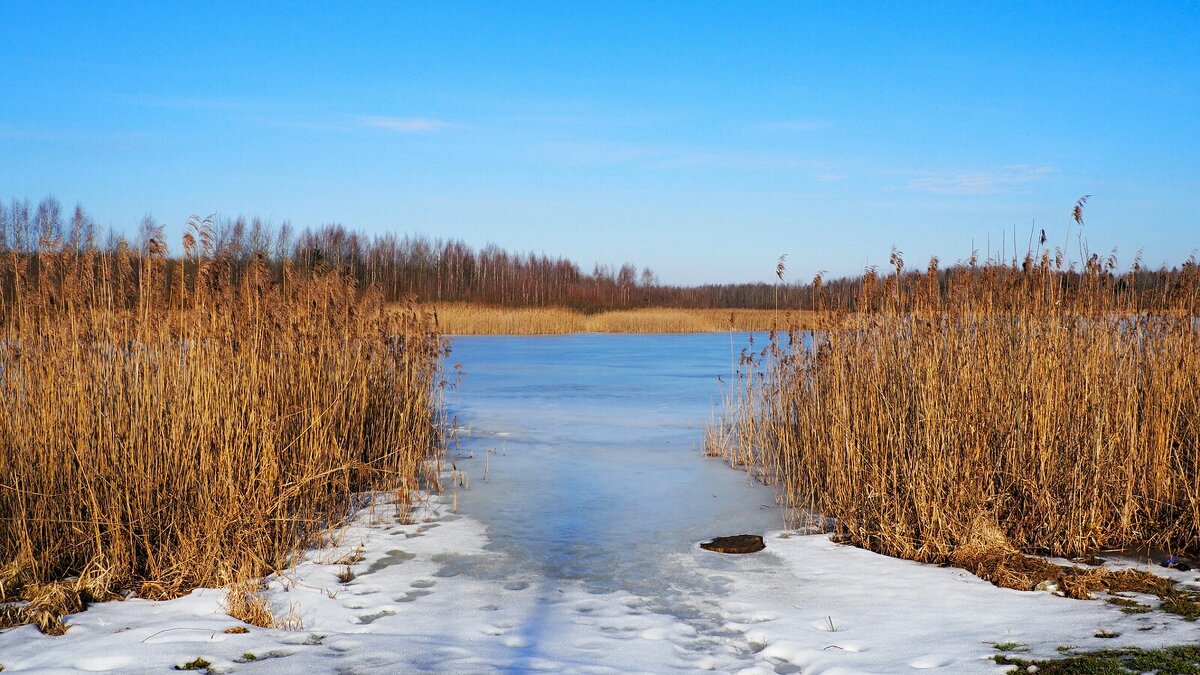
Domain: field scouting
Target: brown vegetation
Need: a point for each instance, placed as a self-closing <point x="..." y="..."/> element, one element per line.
<point x="1058" y="411"/>
<point x="468" y="319"/>
<point x="245" y="603"/>
<point x="174" y="423"/>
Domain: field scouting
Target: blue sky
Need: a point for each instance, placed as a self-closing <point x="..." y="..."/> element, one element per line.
<point x="701" y="139"/>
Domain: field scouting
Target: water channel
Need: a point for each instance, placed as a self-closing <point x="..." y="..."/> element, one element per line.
<point x="592" y="449"/>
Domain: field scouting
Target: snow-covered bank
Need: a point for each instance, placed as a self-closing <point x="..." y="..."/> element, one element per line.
<point x="407" y="608"/>
<point x="429" y="596"/>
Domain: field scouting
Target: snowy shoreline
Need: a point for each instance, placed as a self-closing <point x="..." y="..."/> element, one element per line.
<point x="431" y="596"/>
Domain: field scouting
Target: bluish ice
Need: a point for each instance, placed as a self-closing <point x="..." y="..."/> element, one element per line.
<point x="596" y="471"/>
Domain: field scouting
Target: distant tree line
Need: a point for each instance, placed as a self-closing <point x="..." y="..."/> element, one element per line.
<point x="449" y="270"/>
<point x="428" y="270"/>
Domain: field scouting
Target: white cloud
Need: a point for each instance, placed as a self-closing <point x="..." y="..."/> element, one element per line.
<point x="406" y="125"/>
<point x="589" y="152"/>
<point x="49" y="134"/>
<point x="1000" y="179"/>
<point x="670" y="158"/>
<point x="199" y="103"/>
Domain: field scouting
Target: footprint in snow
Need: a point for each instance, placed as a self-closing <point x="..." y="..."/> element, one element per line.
<point x="344" y="645"/>
<point x="304" y="639"/>
<point x="929" y="661"/>
<point x="105" y="662"/>
<point x="413" y="595"/>
<point x="375" y="616"/>
<point x="392" y="557"/>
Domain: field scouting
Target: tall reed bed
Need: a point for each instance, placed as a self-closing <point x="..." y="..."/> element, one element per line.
<point x="472" y="319"/>
<point x="169" y="424"/>
<point x="988" y="408"/>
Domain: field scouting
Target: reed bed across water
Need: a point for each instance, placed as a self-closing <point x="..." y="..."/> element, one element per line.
<point x="473" y="319"/>
<point x="170" y="424"/>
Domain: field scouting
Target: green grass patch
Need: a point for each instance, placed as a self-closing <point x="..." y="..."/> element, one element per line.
<point x="1129" y="606"/>
<point x="1186" y="604"/>
<point x="198" y="664"/>
<point x="1181" y="660"/>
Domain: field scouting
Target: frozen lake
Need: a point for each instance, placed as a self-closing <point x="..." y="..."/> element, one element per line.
<point x="596" y="473"/>
<point x="578" y="554"/>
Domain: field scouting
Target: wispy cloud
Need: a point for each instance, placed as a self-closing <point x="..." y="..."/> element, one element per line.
<point x="588" y="152"/>
<point x="199" y="103"/>
<point x="44" y="134"/>
<point x="293" y="116"/>
<point x="669" y="158"/>
<point x="992" y="181"/>
<point x="406" y="125"/>
<point x="797" y="125"/>
<point x="829" y="177"/>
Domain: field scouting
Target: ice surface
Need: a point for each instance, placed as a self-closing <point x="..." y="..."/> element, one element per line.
<point x="579" y="555"/>
<point x="600" y="477"/>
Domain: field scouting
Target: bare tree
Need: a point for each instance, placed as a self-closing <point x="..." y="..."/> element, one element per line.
<point x="49" y="221"/>
<point x="3" y="228"/>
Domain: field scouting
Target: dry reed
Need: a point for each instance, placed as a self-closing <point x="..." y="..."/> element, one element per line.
<point x="471" y="319"/>
<point x="1055" y="411"/>
<point x="169" y="424"/>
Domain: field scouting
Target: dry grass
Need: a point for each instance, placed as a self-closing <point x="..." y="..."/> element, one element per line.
<point x="986" y="552"/>
<point x="170" y="425"/>
<point x="964" y="418"/>
<point x="469" y="319"/>
<point x="245" y="603"/>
